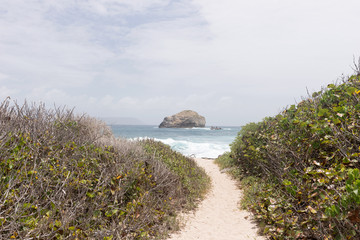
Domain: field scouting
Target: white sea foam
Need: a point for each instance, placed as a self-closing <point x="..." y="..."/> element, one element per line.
<point x="194" y="149"/>
<point x="187" y="148"/>
<point x="199" y="142"/>
<point x="209" y="150"/>
<point x="204" y="128"/>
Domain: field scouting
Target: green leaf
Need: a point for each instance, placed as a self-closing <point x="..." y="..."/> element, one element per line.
<point x="90" y="194"/>
<point x="332" y="211"/>
<point x="323" y="112"/>
<point x="331" y="86"/>
<point x="351" y="90"/>
<point x="286" y="182"/>
<point x="280" y="221"/>
<point x="57" y="223"/>
<point x="338" y="109"/>
<point x="108" y="213"/>
<point x="26" y="205"/>
<point x="2" y="221"/>
<point x="336" y="121"/>
<point x="353" y="174"/>
<point x="72" y="228"/>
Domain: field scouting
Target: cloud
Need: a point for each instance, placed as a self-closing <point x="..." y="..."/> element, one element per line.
<point x="234" y="61"/>
<point x="37" y="52"/>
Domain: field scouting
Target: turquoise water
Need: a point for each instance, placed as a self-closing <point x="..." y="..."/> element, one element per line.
<point x="198" y="142"/>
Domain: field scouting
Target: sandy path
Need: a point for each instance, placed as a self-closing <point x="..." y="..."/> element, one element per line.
<point x="218" y="216"/>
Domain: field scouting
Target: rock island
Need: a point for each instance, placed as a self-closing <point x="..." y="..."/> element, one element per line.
<point x="184" y="119"/>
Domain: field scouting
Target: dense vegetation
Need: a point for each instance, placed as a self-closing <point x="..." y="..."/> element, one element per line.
<point x="66" y="177"/>
<point x="194" y="181"/>
<point x="300" y="169"/>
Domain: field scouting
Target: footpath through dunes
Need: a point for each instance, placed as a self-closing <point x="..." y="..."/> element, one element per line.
<point x="218" y="217"/>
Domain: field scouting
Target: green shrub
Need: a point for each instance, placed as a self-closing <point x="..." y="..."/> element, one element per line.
<point x="225" y="161"/>
<point x="305" y="161"/>
<point x="67" y="177"/>
<point x="194" y="181"/>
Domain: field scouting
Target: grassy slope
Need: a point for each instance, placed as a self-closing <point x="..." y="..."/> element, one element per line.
<point x="300" y="169"/>
<point x="66" y="177"/>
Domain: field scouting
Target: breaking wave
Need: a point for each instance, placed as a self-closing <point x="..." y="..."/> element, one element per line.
<point x="195" y="149"/>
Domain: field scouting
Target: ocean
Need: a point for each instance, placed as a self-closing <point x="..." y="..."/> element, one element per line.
<point x="194" y="142"/>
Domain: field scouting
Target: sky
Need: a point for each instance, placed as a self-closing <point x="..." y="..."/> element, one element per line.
<point x="232" y="61"/>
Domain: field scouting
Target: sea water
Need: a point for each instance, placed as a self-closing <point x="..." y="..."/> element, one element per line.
<point x="194" y="142"/>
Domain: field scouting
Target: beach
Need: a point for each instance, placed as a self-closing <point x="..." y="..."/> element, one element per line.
<point x="218" y="216"/>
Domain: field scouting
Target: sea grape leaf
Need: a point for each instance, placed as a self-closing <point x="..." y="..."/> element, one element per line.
<point x="323" y="112"/>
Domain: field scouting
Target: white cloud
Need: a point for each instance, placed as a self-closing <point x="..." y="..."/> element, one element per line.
<point x="107" y="7"/>
<point x="234" y="61"/>
<point x="37" y="51"/>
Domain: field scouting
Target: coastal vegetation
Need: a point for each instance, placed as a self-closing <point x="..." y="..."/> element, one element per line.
<point x="64" y="176"/>
<point x="300" y="169"/>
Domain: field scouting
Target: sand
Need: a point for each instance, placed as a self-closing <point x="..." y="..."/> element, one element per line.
<point x="218" y="216"/>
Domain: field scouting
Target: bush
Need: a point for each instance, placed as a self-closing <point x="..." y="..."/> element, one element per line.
<point x="64" y="176"/>
<point x="306" y="161"/>
<point x="194" y="181"/>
